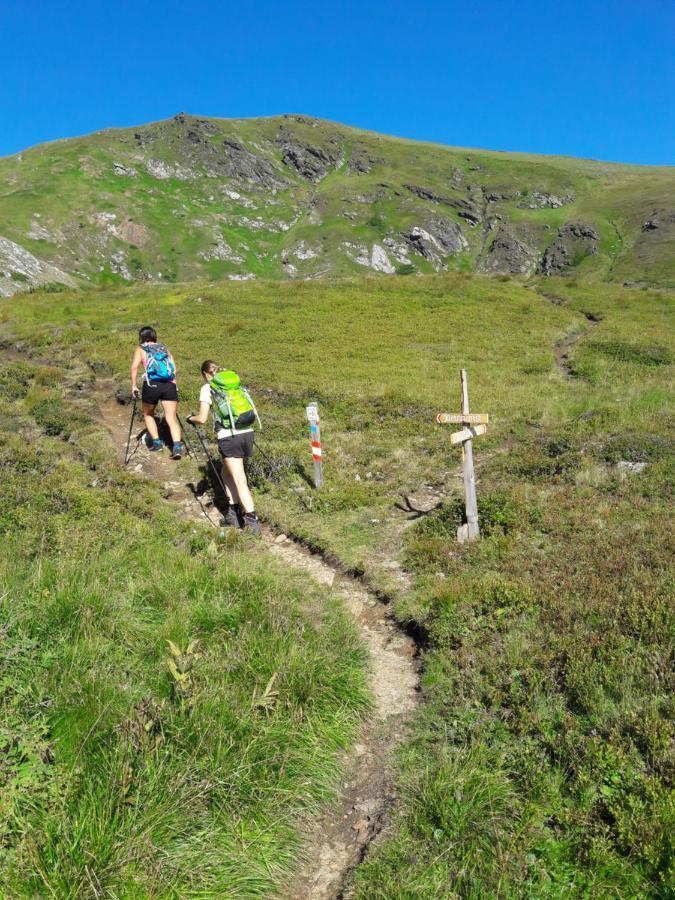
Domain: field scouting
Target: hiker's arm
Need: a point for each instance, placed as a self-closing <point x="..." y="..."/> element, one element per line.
<point x="175" y="367"/>
<point x="202" y="417"/>
<point x="135" y="363"/>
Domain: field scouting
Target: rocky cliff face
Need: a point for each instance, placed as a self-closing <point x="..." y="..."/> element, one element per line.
<point x="296" y="197"/>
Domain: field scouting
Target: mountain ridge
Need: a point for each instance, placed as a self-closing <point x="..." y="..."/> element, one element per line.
<point x="293" y="196"/>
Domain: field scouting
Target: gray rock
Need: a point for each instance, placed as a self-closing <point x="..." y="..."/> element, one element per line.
<point x="20" y="270"/>
<point x="493" y="196"/>
<point x="574" y="241"/>
<point x="310" y="163"/>
<point x="237" y="161"/>
<point x="124" y="171"/>
<point x="447" y="233"/>
<point x="438" y="238"/>
<point x="509" y="254"/>
<point x="466" y="209"/>
<point x="541" y="200"/>
<point x="660" y="218"/>
<point x="360" y="161"/>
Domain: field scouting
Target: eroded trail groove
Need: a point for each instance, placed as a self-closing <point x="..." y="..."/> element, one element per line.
<point x="337" y="840"/>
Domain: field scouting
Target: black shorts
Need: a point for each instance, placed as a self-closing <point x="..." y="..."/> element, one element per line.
<point x="153" y="393"/>
<point x="239" y="446"/>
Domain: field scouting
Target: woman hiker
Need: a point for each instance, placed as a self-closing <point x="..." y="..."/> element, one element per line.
<point x="159" y="383"/>
<point x="235" y="445"/>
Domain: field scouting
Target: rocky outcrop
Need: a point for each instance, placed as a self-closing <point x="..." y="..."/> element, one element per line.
<point x="20" y="270"/>
<point x="237" y="161"/>
<point x="508" y="253"/>
<point x="360" y="161"/>
<point x="660" y="218"/>
<point x="468" y="210"/>
<point x="376" y="258"/>
<point x="540" y="200"/>
<point x="447" y="233"/>
<point x="438" y="238"/>
<point x="124" y="171"/>
<point x="220" y="250"/>
<point x="574" y="242"/>
<point x="163" y="171"/>
<point x="310" y="163"/>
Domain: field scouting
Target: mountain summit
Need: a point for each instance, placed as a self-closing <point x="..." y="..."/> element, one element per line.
<point x="297" y="197"/>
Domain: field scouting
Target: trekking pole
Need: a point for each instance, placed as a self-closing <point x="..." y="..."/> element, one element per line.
<point x="210" y="459"/>
<point x="188" y="445"/>
<point x="131" y="426"/>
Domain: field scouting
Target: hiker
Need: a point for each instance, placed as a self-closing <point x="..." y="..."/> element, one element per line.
<point x="159" y="383"/>
<point x="234" y="436"/>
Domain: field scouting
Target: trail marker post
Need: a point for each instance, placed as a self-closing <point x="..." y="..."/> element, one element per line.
<point x="474" y="424"/>
<point x="312" y="411"/>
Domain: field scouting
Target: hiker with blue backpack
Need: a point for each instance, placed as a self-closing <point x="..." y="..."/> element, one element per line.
<point x="234" y="414"/>
<point x="159" y="383"/>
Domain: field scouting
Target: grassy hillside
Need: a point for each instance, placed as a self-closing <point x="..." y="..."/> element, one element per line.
<point x="541" y="762"/>
<point x="295" y="197"/>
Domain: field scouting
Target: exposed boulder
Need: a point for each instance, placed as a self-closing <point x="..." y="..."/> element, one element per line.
<point x="540" y="200"/>
<point x="124" y="171"/>
<point x="574" y="241"/>
<point x="376" y="258"/>
<point x="20" y="270"/>
<point x="509" y="254"/>
<point x="380" y="261"/>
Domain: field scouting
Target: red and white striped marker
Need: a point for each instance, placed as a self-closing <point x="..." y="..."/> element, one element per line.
<point x="312" y="411"/>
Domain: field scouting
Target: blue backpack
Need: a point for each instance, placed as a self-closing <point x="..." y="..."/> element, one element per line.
<point x="158" y="365"/>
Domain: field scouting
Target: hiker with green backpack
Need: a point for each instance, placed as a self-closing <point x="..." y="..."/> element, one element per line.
<point x="234" y="414"/>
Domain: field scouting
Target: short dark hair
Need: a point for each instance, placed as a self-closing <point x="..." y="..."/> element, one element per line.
<point x="147" y="333"/>
<point x="209" y="367"/>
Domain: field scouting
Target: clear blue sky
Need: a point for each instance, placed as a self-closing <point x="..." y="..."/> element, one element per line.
<point x="591" y="78"/>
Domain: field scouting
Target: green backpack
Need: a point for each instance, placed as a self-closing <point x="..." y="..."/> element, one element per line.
<point x="233" y="402"/>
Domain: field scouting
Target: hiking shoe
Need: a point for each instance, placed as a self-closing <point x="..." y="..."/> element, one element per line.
<point x="177" y="450"/>
<point x="251" y="523"/>
<point x="231" y="517"/>
<point x="156" y="445"/>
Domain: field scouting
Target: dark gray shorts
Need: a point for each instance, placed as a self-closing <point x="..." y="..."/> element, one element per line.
<point x="239" y="446"/>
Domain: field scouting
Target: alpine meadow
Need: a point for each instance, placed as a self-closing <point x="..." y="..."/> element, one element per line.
<point x="353" y="704"/>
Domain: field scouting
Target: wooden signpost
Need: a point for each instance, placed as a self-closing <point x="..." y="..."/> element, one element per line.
<point x="475" y="424"/>
<point x="312" y="411"/>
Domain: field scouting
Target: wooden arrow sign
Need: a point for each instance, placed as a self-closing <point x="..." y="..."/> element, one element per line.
<point x="462" y="419"/>
<point x="466" y="434"/>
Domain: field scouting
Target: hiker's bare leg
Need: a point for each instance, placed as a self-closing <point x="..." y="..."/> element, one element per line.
<point x="230" y="486"/>
<point x="237" y="472"/>
<point x="170" y="407"/>
<point x="150" y="421"/>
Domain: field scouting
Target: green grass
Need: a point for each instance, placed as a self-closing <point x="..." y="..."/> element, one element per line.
<point x="541" y="762"/>
<point x="115" y="780"/>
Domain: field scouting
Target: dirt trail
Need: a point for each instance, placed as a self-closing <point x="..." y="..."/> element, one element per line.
<point x="563" y="349"/>
<point x="339" y="839"/>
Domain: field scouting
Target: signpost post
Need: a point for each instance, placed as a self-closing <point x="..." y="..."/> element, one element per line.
<point x="474" y="424"/>
<point x="315" y="438"/>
